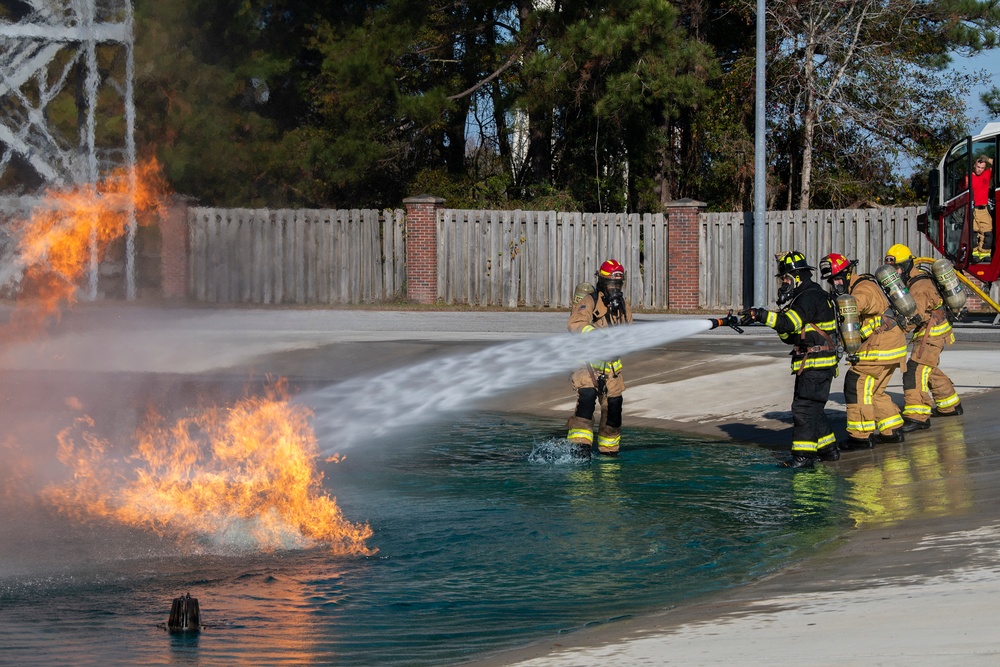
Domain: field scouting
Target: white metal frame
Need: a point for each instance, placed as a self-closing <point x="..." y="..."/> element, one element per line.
<point x="38" y="54"/>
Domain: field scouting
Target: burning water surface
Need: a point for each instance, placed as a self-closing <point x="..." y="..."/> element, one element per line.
<point x="242" y="478"/>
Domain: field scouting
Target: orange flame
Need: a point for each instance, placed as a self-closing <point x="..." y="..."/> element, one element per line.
<point x="242" y="476"/>
<point x="54" y="243"/>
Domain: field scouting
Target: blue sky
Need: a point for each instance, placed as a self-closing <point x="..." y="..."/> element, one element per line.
<point x="989" y="61"/>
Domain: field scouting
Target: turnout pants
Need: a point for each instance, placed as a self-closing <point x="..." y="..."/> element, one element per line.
<point x="982" y="226"/>
<point x="811" y="430"/>
<point x="869" y="408"/>
<point x="924" y="384"/>
<point x="588" y="392"/>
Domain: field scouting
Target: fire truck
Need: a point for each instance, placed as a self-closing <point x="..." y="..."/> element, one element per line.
<point x="947" y="223"/>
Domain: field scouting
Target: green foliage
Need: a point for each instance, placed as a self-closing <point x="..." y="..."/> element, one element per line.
<point x="615" y="105"/>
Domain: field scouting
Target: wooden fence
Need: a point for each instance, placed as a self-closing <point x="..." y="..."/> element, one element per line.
<point x="296" y="256"/>
<point x="862" y="234"/>
<point x="509" y="258"/>
<point x="536" y="258"/>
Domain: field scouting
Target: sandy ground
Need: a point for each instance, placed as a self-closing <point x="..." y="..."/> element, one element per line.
<point x="915" y="584"/>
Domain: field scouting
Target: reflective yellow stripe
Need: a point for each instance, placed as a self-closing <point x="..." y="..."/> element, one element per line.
<point x="607" y="366"/>
<point x="608" y="440"/>
<point x="816" y="362"/>
<point x="869" y="390"/>
<point x="580" y="435"/>
<point x="826" y="440"/>
<point x="941" y="329"/>
<point x="807" y="446"/>
<point x="588" y="328"/>
<point x="948" y="402"/>
<point x="796" y="320"/>
<point x="771" y="319"/>
<point x="861" y="426"/>
<point x="919" y="410"/>
<point x="882" y="355"/>
<point x="870" y="325"/>
<point x="890" y="423"/>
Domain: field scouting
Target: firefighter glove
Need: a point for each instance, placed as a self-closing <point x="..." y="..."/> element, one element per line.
<point x="751" y="315"/>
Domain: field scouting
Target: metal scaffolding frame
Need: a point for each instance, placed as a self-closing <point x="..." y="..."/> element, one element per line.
<point x="59" y="55"/>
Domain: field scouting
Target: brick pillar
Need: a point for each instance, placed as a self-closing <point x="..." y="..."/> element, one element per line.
<point x="174" y="247"/>
<point x="421" y="248"/>
<point x="683" y="231"/>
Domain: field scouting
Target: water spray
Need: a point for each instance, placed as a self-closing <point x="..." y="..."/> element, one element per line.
<point x="361" y="409"/>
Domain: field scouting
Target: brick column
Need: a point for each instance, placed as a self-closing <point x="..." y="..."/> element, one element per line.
<point x="421" y="248"/>
<point x="174" y="247"/>
<point x="683" y="231"/>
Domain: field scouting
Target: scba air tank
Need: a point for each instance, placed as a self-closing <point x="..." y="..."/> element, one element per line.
<point x="850" y="323"/>
<point x="894" y="288"/>
<point x="949" y="286"/>
<point x="583" y="290"/>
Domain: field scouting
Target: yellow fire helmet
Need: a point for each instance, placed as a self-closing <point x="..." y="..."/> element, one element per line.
<point x="898" y="254"/>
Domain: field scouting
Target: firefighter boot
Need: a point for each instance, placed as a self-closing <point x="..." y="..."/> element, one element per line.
<point x="828" y="453"/>
<point x="850" y="444"/>
<point x="951" y="413"/>
<point x="883" y="438"/>
<point x="910" y="425"/>
<point x="800" y="461"/>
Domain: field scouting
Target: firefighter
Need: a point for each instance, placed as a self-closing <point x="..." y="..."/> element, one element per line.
<point x="602" y="381"/>
<point x="923" y="381"/>
<point x="805" y="319"/>
<point x="872" y="417"/>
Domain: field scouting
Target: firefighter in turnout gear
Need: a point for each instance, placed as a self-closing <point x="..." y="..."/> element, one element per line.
<point x="872" y="417"/>
<point x="600" y="381"/>
<point x="805" y="319"/>
<point x="924" y="384"/>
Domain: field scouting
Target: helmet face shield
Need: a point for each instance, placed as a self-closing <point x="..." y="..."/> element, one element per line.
<point x="615" y="284"/>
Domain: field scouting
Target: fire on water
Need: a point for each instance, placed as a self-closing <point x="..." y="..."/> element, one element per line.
<point x="242" y="477"/>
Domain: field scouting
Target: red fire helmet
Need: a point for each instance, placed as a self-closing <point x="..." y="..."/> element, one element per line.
<point x="833" y="265"/>
<point x="612" y="270"/>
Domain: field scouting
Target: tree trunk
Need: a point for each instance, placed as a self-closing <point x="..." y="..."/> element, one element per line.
<point x="808" y="131"/>
<point x="663" y="170"/>
<point x="809" y="115"/>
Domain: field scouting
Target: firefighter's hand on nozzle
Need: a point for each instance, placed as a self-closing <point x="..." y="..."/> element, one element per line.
<point x="751" y="315"/>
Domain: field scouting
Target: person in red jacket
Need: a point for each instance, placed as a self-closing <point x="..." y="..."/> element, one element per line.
<point x="982" y="217"/>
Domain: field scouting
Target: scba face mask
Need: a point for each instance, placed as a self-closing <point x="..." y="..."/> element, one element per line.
<point x="786" y="290"/>
<point x="614" y="291"/>
<point x="839" y="285"/>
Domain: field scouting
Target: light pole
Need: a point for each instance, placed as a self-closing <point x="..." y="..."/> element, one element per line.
<point x="759" y="172"/>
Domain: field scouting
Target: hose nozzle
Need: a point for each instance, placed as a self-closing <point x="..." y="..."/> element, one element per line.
<point x="729" y="320"/>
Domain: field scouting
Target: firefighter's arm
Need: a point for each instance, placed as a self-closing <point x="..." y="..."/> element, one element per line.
<point x="786" y="322"/>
